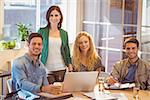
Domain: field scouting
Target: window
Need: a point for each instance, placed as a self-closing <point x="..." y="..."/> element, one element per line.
<point x="27" y="12"/>
<point x="1" y="17"/>
<point x="34" y="12"/>
<point x="16" y="11"/>
<point x="145" y="30"/>
<point x="110" y="22"/>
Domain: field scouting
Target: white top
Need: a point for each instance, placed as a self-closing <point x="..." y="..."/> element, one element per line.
<point x="54" y="61"/>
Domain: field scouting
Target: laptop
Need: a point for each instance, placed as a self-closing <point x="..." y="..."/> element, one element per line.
<point x="79" y="81"/>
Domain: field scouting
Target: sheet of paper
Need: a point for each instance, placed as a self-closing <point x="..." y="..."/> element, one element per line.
<point x="105" y="96"/>
<point x="119" y="86"/>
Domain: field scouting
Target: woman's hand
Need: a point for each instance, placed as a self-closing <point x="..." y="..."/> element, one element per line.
<point x="70" y="68"/>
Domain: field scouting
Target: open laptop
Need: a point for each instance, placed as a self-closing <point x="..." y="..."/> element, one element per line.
<point x="79" y="81"/>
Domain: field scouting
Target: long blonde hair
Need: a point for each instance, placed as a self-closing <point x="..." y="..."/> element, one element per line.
<point x="92" y="55"/>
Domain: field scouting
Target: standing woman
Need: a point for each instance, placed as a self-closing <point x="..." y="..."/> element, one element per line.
<point x="55" y="53"/>
<point x="85" y="57"/>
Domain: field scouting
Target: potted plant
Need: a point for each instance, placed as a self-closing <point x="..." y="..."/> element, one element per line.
<point x="23" y="31"/>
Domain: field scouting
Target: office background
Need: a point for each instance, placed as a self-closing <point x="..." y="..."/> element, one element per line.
<point x="108" y="21"/>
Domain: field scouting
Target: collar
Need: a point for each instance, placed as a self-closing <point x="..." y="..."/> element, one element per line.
<point x="31" y="60"/>
<point x="135" y="63"/>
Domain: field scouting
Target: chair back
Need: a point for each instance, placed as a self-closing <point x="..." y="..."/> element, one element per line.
<point x="9" y="85"/>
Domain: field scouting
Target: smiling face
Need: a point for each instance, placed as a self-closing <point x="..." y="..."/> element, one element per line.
<point x="35" y="46"/>
<point x="84" y="44"/>
<point x="131" y="50"/>
<point x="54" y="17"/>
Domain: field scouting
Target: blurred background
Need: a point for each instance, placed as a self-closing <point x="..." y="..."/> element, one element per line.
<point x="108" y="21"/>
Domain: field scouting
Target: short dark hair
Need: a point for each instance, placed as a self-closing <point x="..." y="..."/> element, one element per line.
<point x="48" y="15"/>
<point x="32" y="35"/>
<point x="131" y="40"/>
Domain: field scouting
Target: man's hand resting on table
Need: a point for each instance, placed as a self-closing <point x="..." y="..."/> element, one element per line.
<point x="51" y="89"/>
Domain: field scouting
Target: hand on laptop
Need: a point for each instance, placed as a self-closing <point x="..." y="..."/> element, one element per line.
<point x="51" y="89"/>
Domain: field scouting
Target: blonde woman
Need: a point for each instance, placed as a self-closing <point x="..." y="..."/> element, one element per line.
<point x="85" y="57"/>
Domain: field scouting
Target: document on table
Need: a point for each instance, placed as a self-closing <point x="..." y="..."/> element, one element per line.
<point x="118" y="86"/>
<point x="105" y="96"/>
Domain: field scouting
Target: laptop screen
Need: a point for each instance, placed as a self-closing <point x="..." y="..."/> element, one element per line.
<point x="79" y="81"/>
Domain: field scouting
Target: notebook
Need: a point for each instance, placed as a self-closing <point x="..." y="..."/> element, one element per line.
<point x="79" y="81"/>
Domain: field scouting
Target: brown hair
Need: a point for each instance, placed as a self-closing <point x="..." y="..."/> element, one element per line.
<point x="131" y="40"/>
<point x="32" y="35"/>
<point x="48" y="15"/>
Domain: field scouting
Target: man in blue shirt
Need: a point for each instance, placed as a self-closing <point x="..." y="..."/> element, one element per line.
<point x="28" y="73"/>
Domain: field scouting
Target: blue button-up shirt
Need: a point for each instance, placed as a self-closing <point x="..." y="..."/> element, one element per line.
<point x="28" y="76"/>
